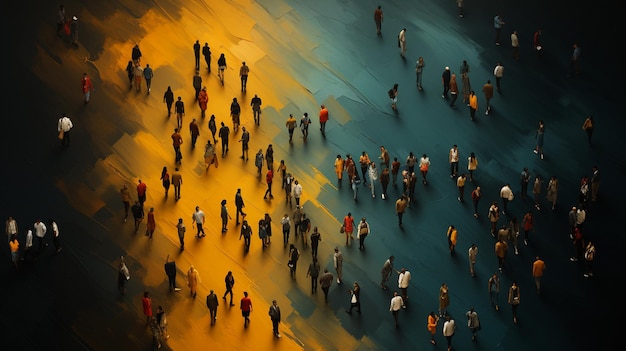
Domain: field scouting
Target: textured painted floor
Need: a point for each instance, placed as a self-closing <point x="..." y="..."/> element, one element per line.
<point x="303" y="54"/>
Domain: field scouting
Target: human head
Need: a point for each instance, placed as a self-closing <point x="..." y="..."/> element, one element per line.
<point x="245" y="293"/>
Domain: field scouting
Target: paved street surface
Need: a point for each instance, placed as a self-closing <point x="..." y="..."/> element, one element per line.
<point x="303" y="54"/>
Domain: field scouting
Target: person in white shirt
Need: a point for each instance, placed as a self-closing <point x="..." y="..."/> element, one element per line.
<point x="449" y="327"/>
<point x="498" y="72"/>
<point x="65" y="125"/>
<point x="11" y="227"/>
<point x="507" y="195"/>
<point x="395" y="306"/>
<point x="40" y="232"/>
<point x="404" y="277"/>
<point x="28" y="245"/>
<point x="55" y="234"/>
<point x="453" y="158"/>
<point x="198" y="219"/>
<point x="297" y="191"/>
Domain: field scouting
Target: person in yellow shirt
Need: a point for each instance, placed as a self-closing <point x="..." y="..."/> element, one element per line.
<point x="452" y="235"/>
<point x="339" y="165"/>
<point x="473" y="104"/>
<point x="538" y="267"/>
<point x="15" y="247"/>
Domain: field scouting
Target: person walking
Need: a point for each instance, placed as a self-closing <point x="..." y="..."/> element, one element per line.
<point x="488" y="91"/>
<point x="210" y="158"/>
<point x="498" y="22"/>
<point x="230" y="282"/>
<point x="244" y="70"/>
<point x="177" y="182"/>
<point x="444" y="300"/>
<point x="538" y="267"/>
<point x="386" y="272"/>
<point x="294" y="256"/>
<point x="196" y="54"/>
<point x="401" y="205"/>
<point x="130" y="72"/>
<point x="203" y="101"/>
<point x="313" y="272"/>
<point x="181" y="229"/>
<point x="449" y="329"/>
<point x="291" y="126"/>
<point x="419" y="69"/>
<point x="326" y="280"/>
<point x="431" y="325"/>
<point x="514" y="299"/>
<point x="14" y="247"/>
<point x="151" y="223"/>
<point x="256" y="102"/>
<point x="355" y="298"/>
<point x="177" y="141"/>
<point x="460" y="184"/>
<point x="274" y="314"/>
<point x="87" y="87"/>
<point x="11" y="228"/>
<point x="378" y="19"/>
<point x="493" y="286"/>
<point x="395" y="306"/>
<point x="221" y="66"/>
<point x="524" y="180"/>
<point x="454" y="90"/>
<point x="223" y="134"/>
<point x="170" y="271"/>
<point x="539" y="137"/>
<point x="246" y="308"/>
<point x="590" y="253"/>
<point x="316" y="237"/>
<point x="146" y="302"/>
<point x="213" y="128"/>
<point x="453" y="159"/>
<point x="168" y="99"/>
<point x="424" y="166"/>
<point x="235" y="112"/>
<point x="206" y="52"/>
<point x="138" y="214"/>
<point x="179" y="108"/>
<point x="506" y="195"/>
<point x="595" y="183"/>
<point x="286" y="225"/>
<point x="472" y="165"/>
<point x="404" y="279"/>
<point x="553" y="190"/>
<point x="239" y="204"/>
<point x="198" y="219"/>
<point x="472" y="253"/>
<point x="224" y="215"/>
<point x="363" y="230"/>
<point x="348" y="227"/>
<point x="473" y="105"/>
<point x="193" y="279"/>
<point x="142" y="188"/>
<point x="148" y="74"/>
<point x="588" y="127"/>
<point x="323" y="118"/>
<point x="372" y="175"/>
<point x="297" y="191"/>
<point x="501" y="249"/>
<point x="498" y="72"/>
<point x="339" y="167"/>
<point x="494" y="216"/>
<point x="393" y="96"/>
<point x="64" y="126"/>
<point x="338" y="264"/>
<point x="445" y="81"/>
<point x="211" y="304"/>
<point x="515" y="45"/>
<point x="452" y="238"/>
<point x="123" y="276"/>
<point x="246" y="233"/>
<point x="245" y="142"/>
<point x="138" y="74"/>
<point x="476" y="195"/>
<point x="473" y="323"/>
<point x="165" y="180"/>
<point x="269" y="177"/>
<point x="402" y="42"/>
<point x="197" y="84"/>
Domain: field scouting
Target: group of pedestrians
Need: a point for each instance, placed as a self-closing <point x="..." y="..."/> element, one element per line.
<point x="30" y="243"/>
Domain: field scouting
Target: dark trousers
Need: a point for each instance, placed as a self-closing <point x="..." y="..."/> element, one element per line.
<point x="313" y="249"/>
<point x="472" y="113"/>
<point x="66" y="139"/>
<point x="213" y="312"/>
<point x="172" y="281"/>
<point x="323" y="127"/>
<point x="400" y="214"/>
<point x="224" y="146"/>
<point x="269" y="190"/>
<point x="200" y="229"/>
<point x="244" y="81"/>
<point x="177" y="191"/>
<point x="229" y="291"/>
<point x="178" y="155"/>
<point x="454" y="96"/>
<point x="237" y="212"/>
<point x="353" y="305"/>
<point x="362" y="241"/>
<point x="325" y="290"/>
<point x="313" y="284"/>
<point x="275" y="325"/>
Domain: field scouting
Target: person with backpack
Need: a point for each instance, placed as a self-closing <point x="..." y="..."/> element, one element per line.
<point x="294" y="255"/>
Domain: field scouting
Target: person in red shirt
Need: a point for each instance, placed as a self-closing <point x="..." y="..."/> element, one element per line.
<point x="177" y="140"/>
<point x="323" y="119"/>
<point x="146" y="301"/>
<point x="141" y="192"/>
<point x="87" y="87"/>
<point x="269" y="177"/>
<point x="246" y="308"/>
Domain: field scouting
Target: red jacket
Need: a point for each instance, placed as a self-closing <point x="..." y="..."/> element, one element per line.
<point x="86" y="82"/>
